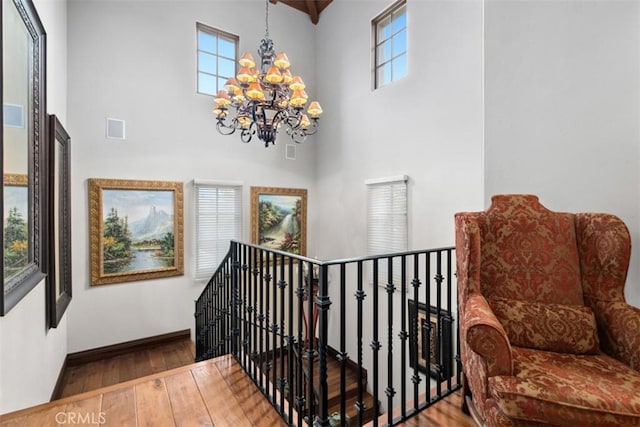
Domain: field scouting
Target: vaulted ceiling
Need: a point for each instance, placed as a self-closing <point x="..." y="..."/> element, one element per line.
<point x="310" y="7"/>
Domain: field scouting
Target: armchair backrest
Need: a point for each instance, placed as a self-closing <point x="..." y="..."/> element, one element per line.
<point x="525" y="252"/>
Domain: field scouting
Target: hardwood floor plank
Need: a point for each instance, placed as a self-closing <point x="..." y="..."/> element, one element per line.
<point x="16" y="422"/>
<point x="111" y="374"/>
<point x="142" y="364"/>
<point x="222" y="405"/>
<point x="85" y="413"/>
<point x="153" y="404"/>
<point x="186" y="351"/>
<point x="156" y="360"/>
<point x="93" y="375"/>
<point x="119" y="408"/>
<point x="172" y="358"/>
<point x="186" y="402"/>
<point x="127" y="367"/>
<point x="42" y="418"/>
<point x="74" y="382"/>
<point x="259" y="412"/>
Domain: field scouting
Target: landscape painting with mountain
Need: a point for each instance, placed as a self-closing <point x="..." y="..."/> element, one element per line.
<point x="138" y="230"/>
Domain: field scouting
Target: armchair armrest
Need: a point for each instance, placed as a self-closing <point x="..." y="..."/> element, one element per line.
<point x="485" y="335"/>
<point x="619" y="323"/>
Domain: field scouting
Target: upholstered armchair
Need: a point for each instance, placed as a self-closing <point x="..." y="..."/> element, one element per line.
<point x="546" y="336"/>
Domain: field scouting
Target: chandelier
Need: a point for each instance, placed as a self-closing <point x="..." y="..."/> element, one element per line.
<point x="267" y="99"/>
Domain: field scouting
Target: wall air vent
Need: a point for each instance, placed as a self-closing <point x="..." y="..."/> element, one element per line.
<point x="115" y="129"/>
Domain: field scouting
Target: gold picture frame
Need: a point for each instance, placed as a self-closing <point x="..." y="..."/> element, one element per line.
<point x="136" y="230"/>
<point x="279" y="218"/>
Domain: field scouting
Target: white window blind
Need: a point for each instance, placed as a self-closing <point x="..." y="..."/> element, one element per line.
<point x="218" y="221"/>
<point x="387" y="229"/>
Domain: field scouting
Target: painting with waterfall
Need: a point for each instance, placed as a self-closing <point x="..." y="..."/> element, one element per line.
<point x="279" y="218"/>
<point x="137" y="228"/>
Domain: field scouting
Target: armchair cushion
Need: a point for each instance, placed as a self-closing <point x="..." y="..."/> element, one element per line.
<point x="552" y="327"/>
<point x="568" y="389"/>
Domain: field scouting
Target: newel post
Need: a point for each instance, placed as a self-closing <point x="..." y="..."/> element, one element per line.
<point x="235" y="330"/>
<point x="323" y="302"/>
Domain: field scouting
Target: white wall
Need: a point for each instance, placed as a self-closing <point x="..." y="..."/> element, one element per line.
<point x="30" y="355"/>
<point x="561" y="101"/>
<point x="136" y="61"/>
<point x="427" y="125"/>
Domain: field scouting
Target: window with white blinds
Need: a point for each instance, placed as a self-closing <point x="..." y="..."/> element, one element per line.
<point x="387" y="229"/>
<point x="218" y="221"/>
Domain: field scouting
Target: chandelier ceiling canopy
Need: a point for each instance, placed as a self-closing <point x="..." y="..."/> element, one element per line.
<point x="262" y="101"/>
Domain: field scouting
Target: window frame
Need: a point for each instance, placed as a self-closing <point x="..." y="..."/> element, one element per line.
<point x="390" y="217"/>
<point x="218" y="33"/>
<point x="389" y="12"/>
<point x="199" y="273"/>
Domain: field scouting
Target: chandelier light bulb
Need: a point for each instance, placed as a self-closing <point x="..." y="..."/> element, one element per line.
<point x="282" y="61"/>
<point x="314" y="109"/>
<point x="274" y="75"/>
<point x="287" y="77"/>
<point x="247" y="60"/>
<point x="297" y="83"/>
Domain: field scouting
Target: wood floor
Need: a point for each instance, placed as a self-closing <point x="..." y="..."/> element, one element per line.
<point x="136" y="364"/>
<point x="215" y="392"/>
<point x="159" y="390"/>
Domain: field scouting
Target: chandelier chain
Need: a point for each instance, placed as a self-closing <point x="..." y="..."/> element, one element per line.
<point x="266" y="19"/>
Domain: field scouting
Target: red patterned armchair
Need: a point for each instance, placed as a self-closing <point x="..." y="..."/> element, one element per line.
<point x="546" y="336"/>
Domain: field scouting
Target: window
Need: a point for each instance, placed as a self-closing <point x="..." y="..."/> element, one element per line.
<point x="390" y="48"/>
<point x="218" y="221"/>
<point x="387" y="230"/>
<point x="217" y="53"/>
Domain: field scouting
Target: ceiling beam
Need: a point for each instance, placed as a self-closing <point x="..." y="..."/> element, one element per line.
<point x="313" y="12"/>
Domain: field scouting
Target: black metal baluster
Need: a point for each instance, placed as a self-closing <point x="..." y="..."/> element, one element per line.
<point x="254" y="301"/>
<point x="439" y="278"/>
<point x="342" y="356"/>
<point x="274" y="330"/>
<point x="360" y="296"/>
<point x="415" y="378"/>
<point x="390" y="390"/>
<point x="261" y="325"/>
<point x="447" y="325"/>
<point x="311" y="337"/>
<point x="323" y="302"/>
<point x="266" y="327"/>
<point x="426" y="325"/>
<point x="403" y="335"/>
<point x="300" y="392"/>
<point x="375" y="344"/>
<point x="290" y="344"/>
<point x="243" y="333"/>
<point x="234" y="297"/>
<point x="282" y="381"/>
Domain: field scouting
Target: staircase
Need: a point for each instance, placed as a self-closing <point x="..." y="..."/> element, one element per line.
<point x="333" y="382"/>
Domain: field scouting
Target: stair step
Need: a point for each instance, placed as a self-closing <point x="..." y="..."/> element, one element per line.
<point x="352" y="411"/>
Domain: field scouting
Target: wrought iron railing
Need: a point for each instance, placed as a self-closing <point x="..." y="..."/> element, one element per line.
<point x="396" y="314"/>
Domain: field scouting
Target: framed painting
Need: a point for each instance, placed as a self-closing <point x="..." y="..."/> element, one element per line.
<point x="430" y="341"/>
<point x="136" y="230"/>
<point x="16" y="220"/>
<point x="279" y="218"/>
<point x="59" y="265"/>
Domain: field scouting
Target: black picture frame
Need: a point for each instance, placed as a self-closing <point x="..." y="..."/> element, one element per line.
<point x="59" y="289"/>
<point x="24" y="259"/>
<point x="430" y="332"/>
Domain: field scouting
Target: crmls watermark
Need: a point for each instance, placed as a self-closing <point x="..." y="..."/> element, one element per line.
<point x="71" y="418"/>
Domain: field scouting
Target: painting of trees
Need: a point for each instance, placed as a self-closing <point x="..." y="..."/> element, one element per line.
<point x="117" y="237"/>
